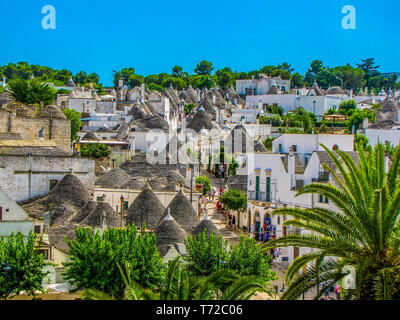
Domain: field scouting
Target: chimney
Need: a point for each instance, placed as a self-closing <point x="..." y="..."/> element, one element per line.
<point x="120" y="83"/>
<point x="291" y="168"/>
<point x="142" y="92"/>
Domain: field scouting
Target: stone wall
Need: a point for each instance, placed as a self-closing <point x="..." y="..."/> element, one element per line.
<point x="58" y="130"/>
<point x="14" y="173"/>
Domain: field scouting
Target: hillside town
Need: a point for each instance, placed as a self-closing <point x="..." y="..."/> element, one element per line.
<point x="189" y="160"/>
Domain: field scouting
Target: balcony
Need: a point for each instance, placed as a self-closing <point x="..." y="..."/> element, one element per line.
<point x="259" y="196"/>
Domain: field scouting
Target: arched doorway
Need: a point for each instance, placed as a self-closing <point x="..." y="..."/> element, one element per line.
<point x="257" y="225"/>
<point x="268" y="229"/>
<point x="248" y="220"/>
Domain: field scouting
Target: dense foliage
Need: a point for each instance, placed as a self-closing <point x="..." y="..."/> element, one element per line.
<point x="94" y="259"/>
<point x="205" y="255"/>
<point x="246" y="258"/>
<point x="32" y="92"/>
<point x="94" y="150"/>
<point x="363" y="74"/>
<point x="205" y="181"/>
<point x="26" y="263"/>
<point x="234" y="199"/>
<point x="76" y="123"/>
<point x="178" y="285"/>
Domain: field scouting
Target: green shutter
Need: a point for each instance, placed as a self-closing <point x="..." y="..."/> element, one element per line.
<point x="257" y="186"/>
<point x="268" y="189"/>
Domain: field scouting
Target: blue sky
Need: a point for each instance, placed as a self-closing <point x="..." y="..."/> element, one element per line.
<point x="153" y="36"/>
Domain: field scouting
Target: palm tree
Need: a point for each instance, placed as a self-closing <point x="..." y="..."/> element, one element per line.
<point x="222" y="285"/>
<point x="363" y="232"/>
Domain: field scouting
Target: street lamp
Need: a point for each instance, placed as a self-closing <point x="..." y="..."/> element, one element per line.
<point x="122" y="209"/>
<point x="6" y="269"/>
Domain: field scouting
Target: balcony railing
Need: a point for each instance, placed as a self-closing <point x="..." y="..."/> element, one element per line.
<point x="259" y="196"/>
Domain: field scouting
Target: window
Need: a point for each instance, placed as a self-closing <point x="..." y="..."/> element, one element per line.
<point x="335" y="147"/>
<point x="36" y="229"/>
<point x="1" y="213"/>
<point x="280" y="148"/>
<point x="294" y="148"/>
<point x="321" y="198"/>
<point x="99" y="199"/>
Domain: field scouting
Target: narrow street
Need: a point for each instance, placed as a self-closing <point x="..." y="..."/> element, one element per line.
<point x="233" y="237"/>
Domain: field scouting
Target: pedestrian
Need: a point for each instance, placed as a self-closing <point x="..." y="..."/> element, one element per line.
<point x="213" y="194"/>
<point x="221" y="191"/>
<point x="234" y="221"/>
<point x="229" y="220"/>
<point x="337" y="291"/>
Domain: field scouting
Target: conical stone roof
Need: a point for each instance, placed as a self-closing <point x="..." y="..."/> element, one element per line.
<point x="259" y="147"/>
<point x="208" y="225"/>
<point x="95" y="219"/>
<point x="89" y="207"/>
<point x="182" y="211"/>
<point x="116" y="178"/>
<point x="200" y="120"/>
<point x="147" y="208"/>
<point x="168" y="233"/>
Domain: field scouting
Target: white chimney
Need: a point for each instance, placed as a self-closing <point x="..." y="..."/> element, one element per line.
<point x="291" y="168"/>
<point x="142" y="92"/>
<point x="120" y="83"/>
<point x="213" y="99"/>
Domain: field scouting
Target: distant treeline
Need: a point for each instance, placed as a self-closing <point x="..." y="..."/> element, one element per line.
<point x="364" y="74"/>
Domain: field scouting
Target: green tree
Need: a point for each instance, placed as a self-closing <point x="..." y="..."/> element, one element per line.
<point x="357" y="118"/>
<point x="246" y="258"/>
<point x="205" y="255"/>
<point x="369" y="67"/>
<point x="154" y="86"/>
<point x="23" y="256"/>
<point x="225" y="77"/>
<point x="363" y="232"/>
<point x="80" y="78"/>
<point x="32" y="92"/>
<point x="76" y="123"/>
<point x="177" y="83"/>
<point x="177" y="285"/>
<point x="205" y="181"/>
<point x="234" y="200"/>
<point x="123" y="74"/>
<point x="296" y="81"/>
<point x="94" y="150"/>
<point x="204" y="68"/>
<point x="94" y="259"/>
<point x="345" y="106"/>
<point x="176" y="71"/>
